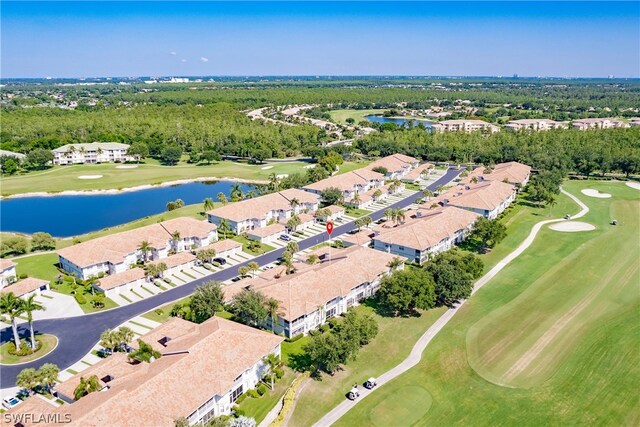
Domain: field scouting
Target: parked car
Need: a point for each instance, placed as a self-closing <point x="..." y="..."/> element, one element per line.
<point x="237" y="278"/>
<point x="285" y="237"/>
<point x="10" y="402"/>
<point x="370" y="383"/>
<point x="220" y="260"/>
<point x="104" y="352"/>
<point x="354" y="393"/>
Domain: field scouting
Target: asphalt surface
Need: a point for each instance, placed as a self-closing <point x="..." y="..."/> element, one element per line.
<point x="77" y="335"/>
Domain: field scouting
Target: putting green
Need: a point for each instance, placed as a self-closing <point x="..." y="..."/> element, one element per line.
<point x="410" y="403"/>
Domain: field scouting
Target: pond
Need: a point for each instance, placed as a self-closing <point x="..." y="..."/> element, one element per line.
<point x="399" y="122"/>
<point x="64" y="216"/>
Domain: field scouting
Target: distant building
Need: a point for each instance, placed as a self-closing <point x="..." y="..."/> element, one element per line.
<point x="511" y="172"/>
<point x="7" y="272"/>
<point x="535" y="125"/>
<point x="397" y="165"/>
<point x="19" y="156"/>
<point x="599" y="123"/>
<point x="357" y="181"/>
<point x="27" y="287"/>
<point x="95" y="152"/>
<point x="489" y="198"/>
<point x="464" y="126"/>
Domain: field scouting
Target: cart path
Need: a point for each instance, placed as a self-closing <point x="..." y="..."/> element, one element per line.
<point x="416" y="352"/>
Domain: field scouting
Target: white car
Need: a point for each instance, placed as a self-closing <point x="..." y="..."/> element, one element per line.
<point x="10" y="402"/>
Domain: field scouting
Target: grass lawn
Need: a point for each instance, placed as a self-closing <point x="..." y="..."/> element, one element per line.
<point x="41" y="266"/>
<point x="264" y="248"/>
<point x="551" y="340"/>
<point x="259" y="408"/>
<point x="67" y="289"/>
<point x="341" y="116"/>
<point x="292" y="349"/>
<point x="166" y="312"/>
<point x="48" y="343"/>
<point x="350" y="166"/>
<point x="357" y="213"/>
<point x="393" y="343"/>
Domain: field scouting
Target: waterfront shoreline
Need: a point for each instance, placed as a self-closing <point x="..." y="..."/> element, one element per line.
<point x="114" y="191"/>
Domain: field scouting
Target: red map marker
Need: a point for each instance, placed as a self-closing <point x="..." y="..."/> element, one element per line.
<point x="329" y="227"/>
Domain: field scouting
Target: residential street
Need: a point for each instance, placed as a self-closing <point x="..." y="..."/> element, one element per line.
<point x="77" y="335"/>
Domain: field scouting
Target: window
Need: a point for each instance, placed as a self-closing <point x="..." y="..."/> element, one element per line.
<point x="331" y="312"/>
<point x="236" y="393"/>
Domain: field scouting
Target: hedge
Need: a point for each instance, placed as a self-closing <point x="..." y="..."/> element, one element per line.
<point x="80" y="299"/>
<point x="294" y="338"/>
<point x="289" y="396"/>
<point x="261" y="389"/>
<point x="253" y="394"/>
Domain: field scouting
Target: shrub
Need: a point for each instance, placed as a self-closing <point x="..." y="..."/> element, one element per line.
<point x="261" y="389"/>
<point x="294" y="338"/>
<point x="23" y="275"/>
<point x="333" y="322"/>
<point x="253" y="394"/>
<point x="279" y="373"/>
<point x="241" y="398"/>
<point x="237" y="411"/>
<point x="315" y="332"/>
<point x="25" y="348"/>
<point x="324" y="328"/>
<point x="159" y="311"/>
<point x="80" y="299"/>
<point x="166" y="280"/>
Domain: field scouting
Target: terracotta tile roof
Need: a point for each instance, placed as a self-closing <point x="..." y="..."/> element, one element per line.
<point x="335" y="209"/>
<point x="431" y="228"/>
<point x="415" y="173"/>
<point x="222" y="245"/>
<point x="259" y="206"/>
<point x="360" y="238"/>
<point x="114" y="247"/>
<point x="6" y="263"/>
<point x="206" y="360"/>
<point x="513" y="172"/>
<point x="268" y="230"/>
<point x="24" y="413"/>
<point x="176" y="260"/>
<point x="485" y="195"/>
<point x="114" y="280"/>
<point x="304" y="218"/>
<point x="346" y="181"/>
<point x="394" y="162"/>
<point x="25" y="286"/>
<point x="314" y="286"/>
<point x="93" y="146"/>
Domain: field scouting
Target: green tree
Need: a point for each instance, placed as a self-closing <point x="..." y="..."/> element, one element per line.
<point x="28" y="379"/>
<point x="48" y="375"/>
<point x="331" y="196"/>
<point x="292" y="247"/>
<point x="205" y="255"/>
<point x="273" y="307"/>
<point x="41" y="240"/>
<point x="211" y="156"/>
<point x="39" y="158"/>
<point x="206" y="300"/>
<point x="273" y="362"/>
<point x="11" y="306"/>
<point x="293" y="223"/>
<point x="28" y="306"/>
<point x="222" y="198"/>
<point x="109" y="339"/>
<point x="138" y="150"/>
<point x="144" y="353"/>
<point x="405" y="291"/>
<point x="250" y="307"/>
<point x="145" y="248"/>
<point x="86" y="386"/>
<point x="9" y="166"/>
<point x="208" y="204"/>
<point x="171" y="155"/>
<point x="124" y="336"/>
<point x="14" y="245"/>
<point x="488" y="232"/>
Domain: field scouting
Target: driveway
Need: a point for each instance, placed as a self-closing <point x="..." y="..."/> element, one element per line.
<point x="78" y="334"/>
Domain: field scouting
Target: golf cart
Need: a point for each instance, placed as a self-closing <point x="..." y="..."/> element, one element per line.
<point x="614" y="222"/>
<point x="370" y="383"/>
<point x="354" y="393"/>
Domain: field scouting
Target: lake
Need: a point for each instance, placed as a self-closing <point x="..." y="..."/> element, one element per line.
<point x="399" y="122"/>
<point x="64" y="216"/>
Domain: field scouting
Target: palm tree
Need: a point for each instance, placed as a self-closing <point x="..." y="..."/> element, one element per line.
<point x="144" y="353"/>
<point x="28" y="379"/>
<point x="253" y="267"/>
<point x="394" y="263"/>
<point x="400" y="215"/>
<point x="222" y="198"/>
<point x="236" y="192"/>
<point x="287" y="261"/>
<point x="427" y="193"/>
<point x="295" y="202"/>
<point x="86" y="386"/>
<point x="145" y="248"/>
<point x="293" y="223"/>
<point x="366" y="221"/>
<point x="48" y="375"/>
<point x="109" y="339"/>
<point x="124" y="335"/>
<point x="224" y="227"/>
<point x="30" y="305"/>
<point x="292" y="247"/>
<point x="356" y="200"/>
<point x="273" y="307"/>
<point x="12" y="307"/>
<point x="162" y="267"/>
<point x="313" y="259"/>
<point x="440" y="188"/>
<point x="208" y="204"/>
<point x="273" y="362"/>
<point x="151" y="270"/>
<point x="377" y="194"/>
<point x="274" y="182"/>
<point x="389" y="214"/>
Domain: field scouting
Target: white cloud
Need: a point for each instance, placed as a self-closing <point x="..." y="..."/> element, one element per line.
<point x="183" y="60"/>
<point x="203" y="59"/>
<point x="173" y="53"/>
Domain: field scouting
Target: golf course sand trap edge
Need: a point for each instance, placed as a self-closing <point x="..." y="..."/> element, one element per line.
<point x="90" y="176"/>
<point x="572" y="226"/>
<point x="126" y="166"/>
<point x="595" y="193"/>
<point x="266" y="167"/>
<point x="635" y="185"/>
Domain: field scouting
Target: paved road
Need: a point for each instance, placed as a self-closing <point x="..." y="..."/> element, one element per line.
<point x="416" y="352"/>
<point x="77" y="335"/>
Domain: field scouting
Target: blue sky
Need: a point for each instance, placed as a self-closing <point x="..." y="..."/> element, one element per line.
<point x="85" y="39"/>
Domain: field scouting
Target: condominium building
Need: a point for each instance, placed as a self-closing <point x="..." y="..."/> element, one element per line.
<point x="261" y="211"/>
<point x="7" y="272"/>
<point x="202" y="371"/>
<point x="316" y="293"/>
<point x="535" y="125"/>
<point x="488" y="198"/>
<point x="397" y="165"/>
<point x="599" y="123"/>
<point x="350" y="183"/>
<point x="115" y="253"/>
<point x="511" y="172"/>
<point x="432" y="231"/>
<point x="464" y="126"/>
<point x="95" y="152"/>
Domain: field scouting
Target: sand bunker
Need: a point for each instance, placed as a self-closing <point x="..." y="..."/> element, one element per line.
<point x="309" y="167"/>
<point x="267" y="167"/>
<point x="635" y="185"/>
<point x="572" y="226"/>
<point x="595" y="193"/>
<point x="90" y="176"/>
<point x="282" y="175"/>
<point x="126" y="167"/>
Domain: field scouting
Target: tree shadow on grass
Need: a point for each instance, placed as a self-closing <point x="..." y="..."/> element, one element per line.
<point x="384" y="311"/>
<point x="300" y="362"/>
